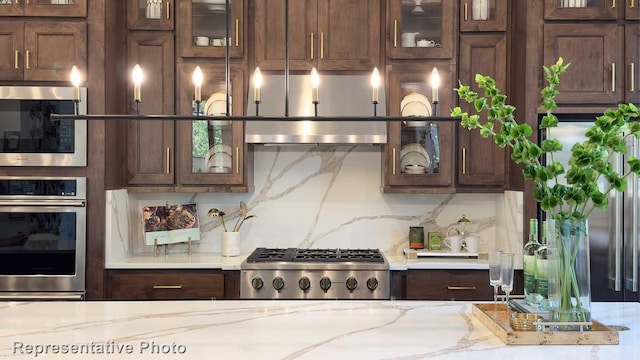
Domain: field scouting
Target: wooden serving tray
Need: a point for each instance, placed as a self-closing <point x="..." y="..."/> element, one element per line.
<point x="496" y="318"/>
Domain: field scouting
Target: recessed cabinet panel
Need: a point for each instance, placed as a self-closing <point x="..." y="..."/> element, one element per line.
<point x="632" y="63"/>
<point x="203" y="28"/>
<point x="483" y="15"/>
<point x="11" y="45"/>
<point x="150" y="14"/>
<point x="420" y="29"/>
<point x="581" y="9"/>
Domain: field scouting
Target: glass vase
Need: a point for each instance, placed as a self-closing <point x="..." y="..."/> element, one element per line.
<point x="569" y="275"/>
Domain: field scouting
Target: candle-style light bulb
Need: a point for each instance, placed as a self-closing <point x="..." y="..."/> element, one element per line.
<point x="198" y="78"/>
<point x="76" y="79"/>
<point x="435" y="84"/>
<point x="257" y="84"/>
<point x="137" y="77"/>
<point x="375" y="84"/>
<point x="315" y="81"/>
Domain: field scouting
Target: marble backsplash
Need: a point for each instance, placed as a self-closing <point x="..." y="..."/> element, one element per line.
<point x="319" y="197"/>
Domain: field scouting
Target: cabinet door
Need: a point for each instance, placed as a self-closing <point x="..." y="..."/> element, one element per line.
<point x="52" y="48"/>
<point x="12" y="56"/>
<point x="423" y="143"/>
<point x="595" y="54"/>
<point x="150" y="143"/>
<point x="421" y="31"/>
<point x="632" y="63"/>
<point x="165" y="285"/>
<point x="349" y="34"/>
<point x="581" y="9"/>
<point x="480" y="161"/>
<point x="150" y="14"/>
<point x="483" y="15"/>
<point x="202" y="28"/>
<point x="57" y="8"/>
<point x="270" y="34"/>
<point x="211" y="152"/>
<point x="632" y="10"/>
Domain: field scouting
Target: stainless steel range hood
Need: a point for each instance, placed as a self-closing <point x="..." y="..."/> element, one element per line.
<point x="338" y="96"/>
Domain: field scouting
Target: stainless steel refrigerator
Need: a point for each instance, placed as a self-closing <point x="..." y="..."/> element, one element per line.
<point x="613" y="234"/>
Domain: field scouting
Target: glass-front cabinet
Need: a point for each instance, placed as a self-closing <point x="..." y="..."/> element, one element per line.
<point x="211" y="151"/>
<point x="420" y="29"/>
<point x="150" y="14"/>
<point x="57" y="8"/>
<point x="203" y="28"/>
<point x="582" y="9"/>
<point x="483" y="15"/>
<point x="419" y="152"/>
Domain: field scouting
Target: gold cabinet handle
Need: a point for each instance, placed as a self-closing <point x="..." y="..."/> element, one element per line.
<point x="168" y="10"/>
<point x="461" y="288"/>
<point x="28" y="2"/>
<point x="464" y="161"/>
<point x="176" y="287"/>
<point x="237" y="160"/>
<point x="26" y="60"/>
<point x="311" y="47"/>
<point x="393" y="161"/>
<point x="321" y="45"/>
<point x="632" y="4"/>
<point x="633" y="77"/>
<point x="237" y="32"/>
<point x="465" y="12"/>
<point x="395" y="33"/>
<point x="613" y="4"/>
<point x="168" y="164"/>
<point x="16" y="57"/>
<point x="613" y="77"/>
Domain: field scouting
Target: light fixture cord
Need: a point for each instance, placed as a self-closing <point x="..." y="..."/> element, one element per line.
<point x="286" y="58"/>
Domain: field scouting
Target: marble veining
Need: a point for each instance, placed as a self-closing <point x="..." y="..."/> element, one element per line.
<point x="315" y="197"/>
<point x="283" y="330"/>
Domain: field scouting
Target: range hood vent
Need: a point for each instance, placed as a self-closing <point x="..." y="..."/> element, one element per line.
<point x="338" y="96"/>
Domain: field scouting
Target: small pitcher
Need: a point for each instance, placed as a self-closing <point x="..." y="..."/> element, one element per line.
<point x="409" y="39"/>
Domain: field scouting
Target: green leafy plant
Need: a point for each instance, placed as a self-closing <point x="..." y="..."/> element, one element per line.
<point x="242" y="217"/>
<point x="589" y="161"/>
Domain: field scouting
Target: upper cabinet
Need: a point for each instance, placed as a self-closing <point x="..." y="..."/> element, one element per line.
<point x="41" y="51"/>
<point x="483" y="15"/>
<point x="420" y="29"/>
<point x="632" y="63"/>
<point x="54" y="8"/>
<point x="330" y="35"/>
<point x="203" y="28"/>
<point x="150" y="14"/>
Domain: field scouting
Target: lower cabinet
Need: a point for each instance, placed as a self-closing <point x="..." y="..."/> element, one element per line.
<point x="201" y="284"/>
<point x="448" y="285"/>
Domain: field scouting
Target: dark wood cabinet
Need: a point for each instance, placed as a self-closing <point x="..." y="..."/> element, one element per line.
<point x="150" y="15"/>
<point x="41" y="50"/>
<point x="480" y="161"/>
<point x="433" y="139"/>
<point x="411" y="27"/>
<point x="632" y="63"/>
<point x="166" y="285"/>
<point x="76" y="8"/>
<point x="330" y="35"/>
<point x="485" y="15"/>
<point x="632" y="10"/>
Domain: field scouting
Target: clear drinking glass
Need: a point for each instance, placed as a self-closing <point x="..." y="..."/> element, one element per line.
<point x="506" y="273"/>
<point x="494" y="272"/>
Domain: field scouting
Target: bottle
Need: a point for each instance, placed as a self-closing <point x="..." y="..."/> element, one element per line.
<point x="542" y="284"/>
<point x="529" y="264"/>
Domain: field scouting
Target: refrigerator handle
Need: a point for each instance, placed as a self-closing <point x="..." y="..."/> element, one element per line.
<point x="618" y="231"/>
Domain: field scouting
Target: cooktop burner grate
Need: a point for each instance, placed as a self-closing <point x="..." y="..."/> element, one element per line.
<point x="315" y="255"/>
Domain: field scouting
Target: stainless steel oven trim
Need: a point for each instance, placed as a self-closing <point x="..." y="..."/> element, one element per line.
<point x="81" y="189"/>
<point x="79" y="158"/>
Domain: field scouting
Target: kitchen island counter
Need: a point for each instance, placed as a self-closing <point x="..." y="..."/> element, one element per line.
<point x="280" y="330"/>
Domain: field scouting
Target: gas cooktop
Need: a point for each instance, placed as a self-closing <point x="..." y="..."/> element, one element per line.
<point x="315" y="255"/>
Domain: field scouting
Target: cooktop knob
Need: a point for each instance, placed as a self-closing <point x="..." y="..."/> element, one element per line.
<point x="257" y="283"/>
<point x="325" y="283"/>
<point x="352" y="283"/>
<point x="278" y="283"/>
<point x="372" y="283"/>
<point x="304" y="283"/>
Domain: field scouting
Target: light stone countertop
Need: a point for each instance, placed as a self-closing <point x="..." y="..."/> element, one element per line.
<point x="281" y="330"/>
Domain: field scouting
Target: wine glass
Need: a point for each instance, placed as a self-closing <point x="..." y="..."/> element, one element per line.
<point x="506" y="273"/>
<point x="494" y="273"/>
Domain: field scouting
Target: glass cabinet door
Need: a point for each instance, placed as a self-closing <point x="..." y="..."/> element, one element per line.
<point x="203" y="28"/>
<point x="483" y="15"/>
<point x="150" y="14"/>
<point x="419" y="151"/>
<point x="211" y="151"/>
<point x="581" y="9"/>
<point x="58" y="8"/>
<point x="421" y="29"/>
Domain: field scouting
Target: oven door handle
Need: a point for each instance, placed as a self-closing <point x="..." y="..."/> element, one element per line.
<point x="74" y="203"/>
